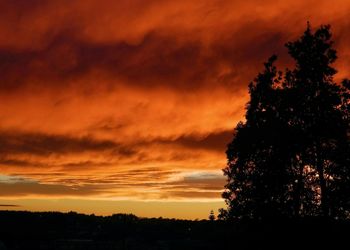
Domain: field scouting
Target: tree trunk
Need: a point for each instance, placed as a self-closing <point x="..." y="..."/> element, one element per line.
<point x="297" y="192"/>
<point x="323" y="184"/>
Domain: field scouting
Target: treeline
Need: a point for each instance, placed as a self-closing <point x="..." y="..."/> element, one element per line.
<point x="54" y="230"/>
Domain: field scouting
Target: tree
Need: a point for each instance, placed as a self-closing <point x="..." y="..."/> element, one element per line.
<point x="211" y="216"/>
<point x="291" y="155"/>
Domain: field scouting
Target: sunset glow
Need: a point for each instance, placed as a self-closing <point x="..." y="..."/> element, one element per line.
<point x="127" y="106"/>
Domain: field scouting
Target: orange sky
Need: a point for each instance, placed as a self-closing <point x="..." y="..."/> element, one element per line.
<point x="127" y="106"/>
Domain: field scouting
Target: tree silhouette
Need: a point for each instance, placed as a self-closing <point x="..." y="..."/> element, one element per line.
<point x="291" y="155"/>
<point x="211" y="216"/>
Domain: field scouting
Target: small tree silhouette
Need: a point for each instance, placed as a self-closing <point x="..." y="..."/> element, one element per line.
<point x="291" y="155"/>
<point x="212" y="216"/>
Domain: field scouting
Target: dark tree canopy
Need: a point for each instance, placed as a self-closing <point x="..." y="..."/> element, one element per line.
<point x="291" y="155"/>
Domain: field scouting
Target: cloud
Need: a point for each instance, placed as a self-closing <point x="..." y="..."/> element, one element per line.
<point x="202" y="181"/>
<point x="157" y="61"/>
<point x="37" y="189"/>
<point x="9" y="205"/>
<point x="44" y="144"/>
<point x="197" y="184"/>
<point x="198" y="49"/>
<point x="117" y="98"/>
<point x="19" y="186"/>
<point x="216" y="141"/>
<point x="19" y="149"/>
<point x="192" y="194"/>
<point x="151" y="183"/>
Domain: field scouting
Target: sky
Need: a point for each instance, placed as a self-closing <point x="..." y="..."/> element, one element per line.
<point x="127" y="106"/>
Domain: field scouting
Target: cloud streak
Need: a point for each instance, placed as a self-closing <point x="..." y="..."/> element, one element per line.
<point x="9" y="205"/>
<point x="43" y="144"/>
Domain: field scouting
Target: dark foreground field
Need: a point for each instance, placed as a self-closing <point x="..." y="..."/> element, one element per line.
<point x="51" y="230"/>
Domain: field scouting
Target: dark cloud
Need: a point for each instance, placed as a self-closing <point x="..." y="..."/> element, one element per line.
<point x="192" y="194"/>
<point x="202" y="181"/>
<point x="9" y="205"/>
<point x="148" y="173"/>
<point x="83" y="165"/>
<point x="156" y="61"/>
<point x="72" y="166"/>
<point x="159" y="60"/>
<point x="16" y="162"/>
<point x="199" y="185"/>
<point x="214" y="141"/>
<point x="182" y="56"/>
<point x="44" y="144"/>
<point x="26" y="188"/>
